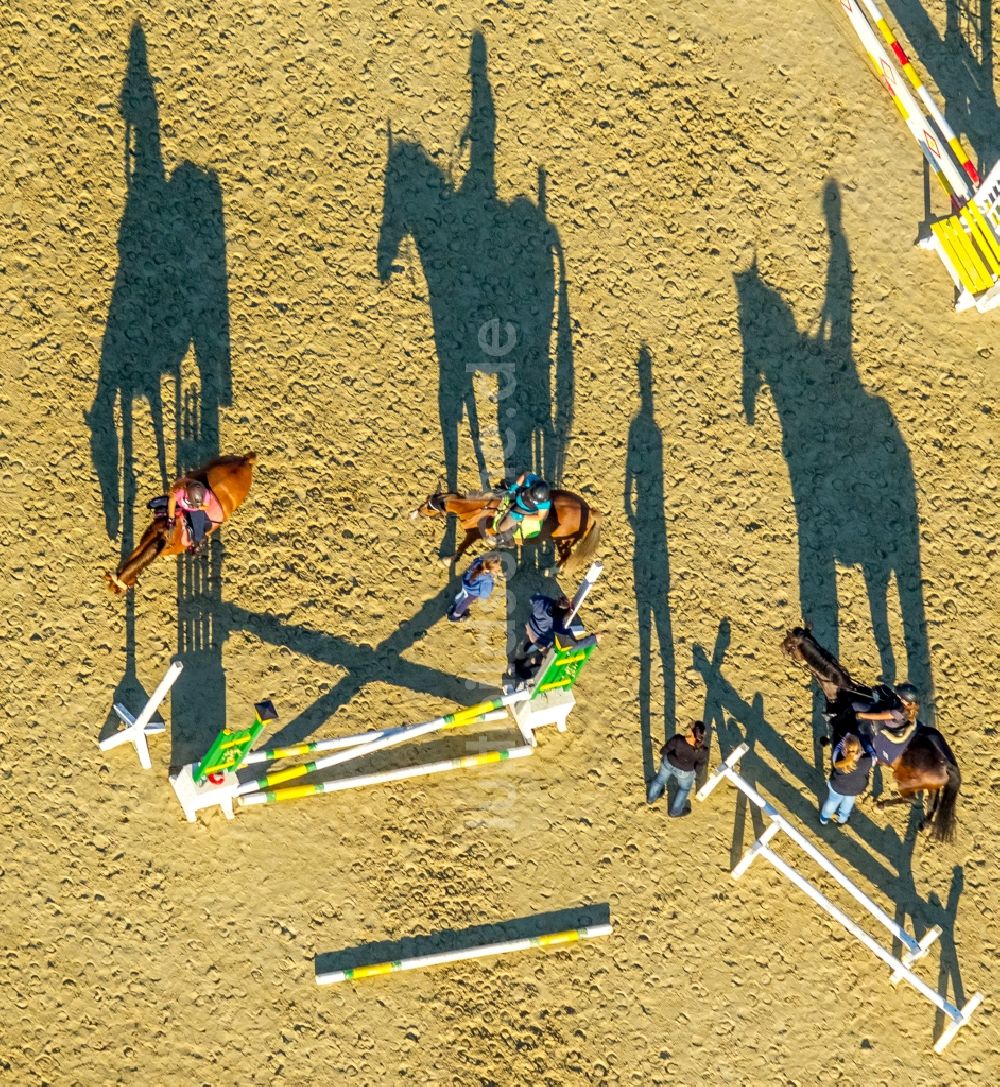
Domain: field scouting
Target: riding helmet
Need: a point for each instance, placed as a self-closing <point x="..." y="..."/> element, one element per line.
<point x="907" y="692"/>
<point x="539" y="492"/>
<point x="196" y="493"/>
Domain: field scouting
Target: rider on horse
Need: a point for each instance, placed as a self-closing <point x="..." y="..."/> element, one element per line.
<point x="889" y="715"/>
<point x="525" y="507"/>
<point x="200" y="508"/>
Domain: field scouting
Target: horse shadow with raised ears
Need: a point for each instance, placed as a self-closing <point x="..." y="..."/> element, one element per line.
<point x="848" y="464"/>
<point x="491" y="267"/>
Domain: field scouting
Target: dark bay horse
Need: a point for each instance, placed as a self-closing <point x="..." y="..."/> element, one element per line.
<point x="926" y="763"/>
<point x="229" y="479"/>
<point x="572" y="525"/>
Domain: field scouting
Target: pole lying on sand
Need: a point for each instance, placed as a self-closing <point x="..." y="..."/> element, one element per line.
<point x="916" y="949"/>
<point x="555" y="939"/>
<point x="462" y="762"/>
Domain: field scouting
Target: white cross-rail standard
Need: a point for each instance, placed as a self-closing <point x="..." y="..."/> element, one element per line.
<point x="138" y="728"/>
<point x="915" y="949"/>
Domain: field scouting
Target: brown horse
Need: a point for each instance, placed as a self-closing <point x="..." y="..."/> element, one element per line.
<point x="572" y="525"/>
<point x="926" y="763"/>
<point x="229" y="480"/>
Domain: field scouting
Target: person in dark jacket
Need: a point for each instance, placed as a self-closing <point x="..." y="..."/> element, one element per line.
<point x="848" y="779"/>
<point x="682" y="756"/>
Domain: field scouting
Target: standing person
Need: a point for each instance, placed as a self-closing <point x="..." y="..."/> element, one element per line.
<point x="682" y="756"/>
<point x="477" y="584"/>
<point x="851" y="766"/>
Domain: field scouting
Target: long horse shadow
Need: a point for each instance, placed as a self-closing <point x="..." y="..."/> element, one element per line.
<point x="849" y="467"/>
<point x="170" y="294"/>
<point x="960" y="61"/>
<point x="734" y="720"/>
<point x="491" y="267"/>
<point x="645" y="508"/>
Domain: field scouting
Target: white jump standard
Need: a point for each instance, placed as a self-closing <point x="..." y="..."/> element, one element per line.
<point x="915" y="949"/>
<point x="138" y="728"/>
<point x="215" y="782"/>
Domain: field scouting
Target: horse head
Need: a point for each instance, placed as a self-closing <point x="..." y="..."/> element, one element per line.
<point x="768" y="330"/>
<point x="802" y="648"/>
<point x="434" y="506"/>
<point x="412" y="191"/>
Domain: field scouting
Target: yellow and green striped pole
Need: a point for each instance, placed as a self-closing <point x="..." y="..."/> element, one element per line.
<point x="555" y="939"/>
<point x="459" y="718"/>
<point x="463" y="762"/>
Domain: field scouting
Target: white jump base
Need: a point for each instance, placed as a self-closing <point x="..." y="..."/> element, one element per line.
<point x="138" y="728"/>
<point x="915" y="949"/>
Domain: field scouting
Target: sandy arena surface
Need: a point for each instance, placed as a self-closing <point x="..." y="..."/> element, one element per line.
<point x="686" y="231"/>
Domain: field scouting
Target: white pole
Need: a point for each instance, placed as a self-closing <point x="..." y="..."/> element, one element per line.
<point x="506" y="946"/>
<point x="859" y="933"/>
<point x="411" y="732"/>
<point x="595" y="571"/>
<point x="463" y="762"/>
<point x="900" y="967"/>
<point x="726" y="770"/>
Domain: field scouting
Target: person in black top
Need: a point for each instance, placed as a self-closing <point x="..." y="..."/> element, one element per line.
<point x="848" y="779"/>
<point x="682" y="756"/>
<point x="546" y="626"/>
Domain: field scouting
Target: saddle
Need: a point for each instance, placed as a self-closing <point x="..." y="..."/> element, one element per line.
<point x="890" y="743"/>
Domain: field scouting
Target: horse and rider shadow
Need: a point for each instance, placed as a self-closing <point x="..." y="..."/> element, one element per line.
<point x="491" y="267"/>
<point x="849" y="466"/>
<point x="645" y="508"/>
<point x="170" y="295"/>
<point x="886" y="863"/>
<point x="497" y="288"/>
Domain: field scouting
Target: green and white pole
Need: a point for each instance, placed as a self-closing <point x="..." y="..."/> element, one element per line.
<point x="463" y="762"/>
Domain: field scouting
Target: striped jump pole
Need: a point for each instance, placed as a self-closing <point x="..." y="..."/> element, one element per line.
<point x="953" y="179"/>
<point x="458" y="719"/>
<point x="929" y="104"/>
<point x="555" y="939"/>
<point x="463" y="762"/>
<point x="338" y="743"/>
<point x="916" y="949"/>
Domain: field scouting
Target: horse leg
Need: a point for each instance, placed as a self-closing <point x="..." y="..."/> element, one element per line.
<point x="153" y="542"/>
<point x="928" y="819"/>
<point x="471" y="535"/>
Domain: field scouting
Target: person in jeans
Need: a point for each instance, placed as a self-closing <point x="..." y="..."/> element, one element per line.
<point x="477" y="584"/>
<point x="848" y="779"/>
<point x="682" y="756"/>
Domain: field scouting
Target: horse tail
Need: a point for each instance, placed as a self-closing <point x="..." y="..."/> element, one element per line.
<point x="943" y="829"/>
<point x="588" y="545"/>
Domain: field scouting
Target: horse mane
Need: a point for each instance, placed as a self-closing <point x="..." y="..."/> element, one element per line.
<point x="803" y="648"/>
